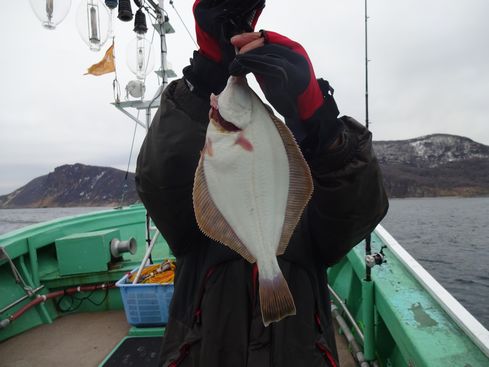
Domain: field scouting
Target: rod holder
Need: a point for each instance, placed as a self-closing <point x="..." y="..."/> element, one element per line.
<point x="368" y="320"/>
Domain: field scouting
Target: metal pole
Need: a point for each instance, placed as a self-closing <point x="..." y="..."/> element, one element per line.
<point x="162" y="20"/>
<point x="15" y="303"/>
<point x="160" y="10"/>
<point x="356" y="351"/>
<point x="117" y="105"/>
<point x="146" y="257"/>
<point x="347" y="312"/>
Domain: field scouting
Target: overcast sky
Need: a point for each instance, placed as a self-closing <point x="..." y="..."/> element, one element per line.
<point x="429" y="73"/>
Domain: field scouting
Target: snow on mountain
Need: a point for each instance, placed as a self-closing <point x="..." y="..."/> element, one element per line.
<point x="430" y="151"/>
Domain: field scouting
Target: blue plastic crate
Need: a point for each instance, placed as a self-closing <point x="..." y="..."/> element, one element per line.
<point x="145" y="304"/>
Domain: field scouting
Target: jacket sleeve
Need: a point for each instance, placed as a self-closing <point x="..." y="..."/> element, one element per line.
<point x="349" y="199"/>
<point x="167" y="162"/>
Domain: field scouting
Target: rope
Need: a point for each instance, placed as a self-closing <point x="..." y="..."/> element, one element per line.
<point x="163" y="273"/>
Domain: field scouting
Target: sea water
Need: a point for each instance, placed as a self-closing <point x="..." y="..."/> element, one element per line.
<point x="448" y="236"/>
<point x="11" y="219"/>
<point x="450" y="239"/>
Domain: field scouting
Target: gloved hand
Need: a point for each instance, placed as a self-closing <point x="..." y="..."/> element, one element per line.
<point x="216" y="21"/>
<point x="286" y="77"/>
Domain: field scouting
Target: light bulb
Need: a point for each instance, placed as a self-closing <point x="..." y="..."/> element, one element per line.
<point x="93" y="23"/>
<point x="50" y="12"/>
<point x="140" y="59"/>
<point x="135" y="88"/>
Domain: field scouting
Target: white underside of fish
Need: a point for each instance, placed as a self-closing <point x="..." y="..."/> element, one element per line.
<point x="250" y="190"/>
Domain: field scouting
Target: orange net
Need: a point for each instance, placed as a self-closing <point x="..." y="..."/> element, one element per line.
<point x="163" y="273"/>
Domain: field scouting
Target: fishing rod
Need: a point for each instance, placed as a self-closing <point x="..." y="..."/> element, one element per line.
<point x="367" y="283"/>
<point x="377" y="258"/>
<point x="368" y="239"/>
<point x="366" y="66"/>
<point x="371" y="260"/>
<point x="368" y="356"/>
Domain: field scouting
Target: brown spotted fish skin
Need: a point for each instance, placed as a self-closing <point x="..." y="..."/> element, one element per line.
<point x="251" y="187"/>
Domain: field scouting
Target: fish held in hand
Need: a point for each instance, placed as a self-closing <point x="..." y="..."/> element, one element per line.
<point x="251" y="187"/>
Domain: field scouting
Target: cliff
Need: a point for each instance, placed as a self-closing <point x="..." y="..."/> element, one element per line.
<point x="74" y="185"/>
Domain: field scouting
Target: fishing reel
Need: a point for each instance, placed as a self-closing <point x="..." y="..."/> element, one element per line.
<point x="377" y="258"/>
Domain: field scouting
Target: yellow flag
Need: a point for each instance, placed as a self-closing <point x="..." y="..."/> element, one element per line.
<point x="106" y="65"/>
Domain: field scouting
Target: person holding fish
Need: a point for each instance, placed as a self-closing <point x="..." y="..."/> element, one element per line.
<point x="254" y="210"/>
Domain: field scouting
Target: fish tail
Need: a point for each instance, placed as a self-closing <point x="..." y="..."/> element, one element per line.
<point x="275" y="298"/>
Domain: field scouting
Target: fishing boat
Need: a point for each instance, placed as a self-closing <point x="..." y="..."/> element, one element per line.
<point x="59" y="301"/>
<point x="64" y="298"/>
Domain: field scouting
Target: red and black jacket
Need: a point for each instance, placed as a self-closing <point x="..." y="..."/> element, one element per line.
<point x="215" y="317"/>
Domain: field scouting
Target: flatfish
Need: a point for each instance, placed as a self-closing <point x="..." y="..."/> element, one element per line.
<point x="251" y="187"/>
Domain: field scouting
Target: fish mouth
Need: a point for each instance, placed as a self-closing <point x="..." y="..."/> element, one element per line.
<point x="221" y="123"/>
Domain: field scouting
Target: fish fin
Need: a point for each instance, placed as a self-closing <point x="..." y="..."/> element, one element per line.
<point x="210" y="220"/>
<point x="301" y="185"/>
<point x="276" y="301"/>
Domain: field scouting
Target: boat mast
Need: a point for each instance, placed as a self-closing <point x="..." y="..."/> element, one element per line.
<point x="163" y="49"/>
<point x="163" y="27"/>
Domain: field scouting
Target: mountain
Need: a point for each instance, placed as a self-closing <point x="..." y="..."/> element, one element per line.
<point x="74" y="185"/>
<point x="434" y="165"/>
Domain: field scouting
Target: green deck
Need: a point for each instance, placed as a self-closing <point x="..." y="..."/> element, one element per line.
<point x="34" y="253"/>
<point x="410" y="327"/>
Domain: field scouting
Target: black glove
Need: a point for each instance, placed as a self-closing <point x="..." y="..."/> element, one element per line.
<point x="216" y="21"/>
<point x="286" y="77"/>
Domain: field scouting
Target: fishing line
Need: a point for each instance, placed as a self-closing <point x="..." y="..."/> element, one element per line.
<point x="184" y="25"/>
<point x="132" y="146"/>
<point x="124" y="187"/>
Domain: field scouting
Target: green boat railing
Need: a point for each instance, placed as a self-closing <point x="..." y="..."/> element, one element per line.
<point x="413" y="320"/>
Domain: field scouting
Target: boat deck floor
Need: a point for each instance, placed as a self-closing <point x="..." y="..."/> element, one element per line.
<point x="84" y="340"/>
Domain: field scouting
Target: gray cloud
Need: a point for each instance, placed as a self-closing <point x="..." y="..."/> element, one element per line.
<point x="429" y="73"/>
